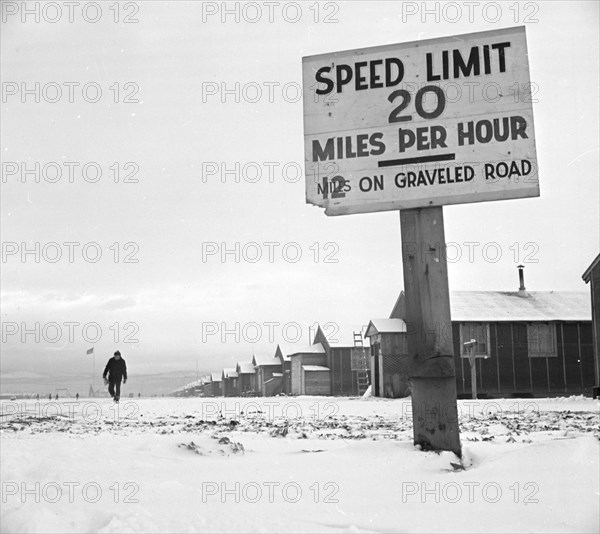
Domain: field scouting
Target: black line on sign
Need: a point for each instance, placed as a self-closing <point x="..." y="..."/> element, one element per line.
<point x="421" y="159"/>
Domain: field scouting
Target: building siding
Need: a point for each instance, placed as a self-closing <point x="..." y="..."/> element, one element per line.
<point x="511" y="371"/>
<point x="316" y="383"/>
<point x="389" y="365"/>
<point x="296" y="379"/>
<point x="595" y="297"/>
<point x="245" y="383"/>
<point x="343" y="379"/>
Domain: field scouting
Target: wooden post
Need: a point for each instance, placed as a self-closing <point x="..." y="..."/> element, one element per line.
<point x="473" y="377"/>
<point x="429" y="330"/>
<point x="472" y="361"/>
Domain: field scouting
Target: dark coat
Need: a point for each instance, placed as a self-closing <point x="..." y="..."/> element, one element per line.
<point x="116" y="369"/>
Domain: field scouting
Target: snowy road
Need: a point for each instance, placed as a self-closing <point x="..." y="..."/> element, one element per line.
<point x="301" y="464"/>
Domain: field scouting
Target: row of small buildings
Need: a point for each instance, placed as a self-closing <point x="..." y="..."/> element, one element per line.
<point x="529" y="344"/>
<point x="328" y="366"/>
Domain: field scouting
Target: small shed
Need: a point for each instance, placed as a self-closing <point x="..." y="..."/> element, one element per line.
<point x="216" y="385"/>
<point x="315" y="380"/>
<point x="230" y="378"/>
<point x="311" y="355"/>
<point x="389" y="358"/>
<point x="592" y="276"/>
<point x="264" y="367"/>
<point x="283" y="352"/>
<point x="246" y="378"/>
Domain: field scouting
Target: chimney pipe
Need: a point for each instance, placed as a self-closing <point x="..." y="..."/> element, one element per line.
<point x="522" y="292"/>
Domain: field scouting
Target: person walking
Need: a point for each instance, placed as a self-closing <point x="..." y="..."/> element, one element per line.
<point x="116" y="370"/>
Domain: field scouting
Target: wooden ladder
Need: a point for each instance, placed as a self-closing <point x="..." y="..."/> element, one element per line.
<point x="362" y="375"/>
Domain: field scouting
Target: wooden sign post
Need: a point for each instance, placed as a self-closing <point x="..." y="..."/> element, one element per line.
<point x="415" y="127"/>
<point x="429" y="330"/>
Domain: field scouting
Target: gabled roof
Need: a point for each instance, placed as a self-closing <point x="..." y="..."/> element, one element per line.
<point x="487" y="306"/>
<point x="385" y="326"/>
<point x="342" y="336"/>
<point x="492" y="306"/>
<point x="399" y="309"/>
<point x="316" y="348"/>
<point x="285" y="349"/>
<point x="244" y="368"/>
<point x="229" y="372"/>
<point x="260" y="360"/>
<point x="588" y="272"/>
<point x="215" y="377"/>
<point x="315" y="368"/>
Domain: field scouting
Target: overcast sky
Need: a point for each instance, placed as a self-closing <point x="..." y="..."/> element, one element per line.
<point x="177" y="218"/>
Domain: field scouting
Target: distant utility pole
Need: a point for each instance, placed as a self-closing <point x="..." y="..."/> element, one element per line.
<point x="93" y="353"/>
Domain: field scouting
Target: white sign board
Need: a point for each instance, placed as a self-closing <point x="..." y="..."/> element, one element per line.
<point x="427" y="123"/>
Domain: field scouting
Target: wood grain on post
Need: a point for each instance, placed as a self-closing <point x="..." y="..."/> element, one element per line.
<point x="429" y="330"/>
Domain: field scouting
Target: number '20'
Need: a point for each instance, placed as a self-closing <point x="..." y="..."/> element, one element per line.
<point x="419" y="97"/>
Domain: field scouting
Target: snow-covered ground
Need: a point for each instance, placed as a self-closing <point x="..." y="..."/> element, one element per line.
<point x="302" y="464"/>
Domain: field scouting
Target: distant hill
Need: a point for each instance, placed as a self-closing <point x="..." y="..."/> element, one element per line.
<point x="24" y="383"/>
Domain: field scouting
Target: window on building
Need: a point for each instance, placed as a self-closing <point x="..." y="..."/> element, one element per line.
<point x="480" y="332"/>
<point x="541" y="340"/>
